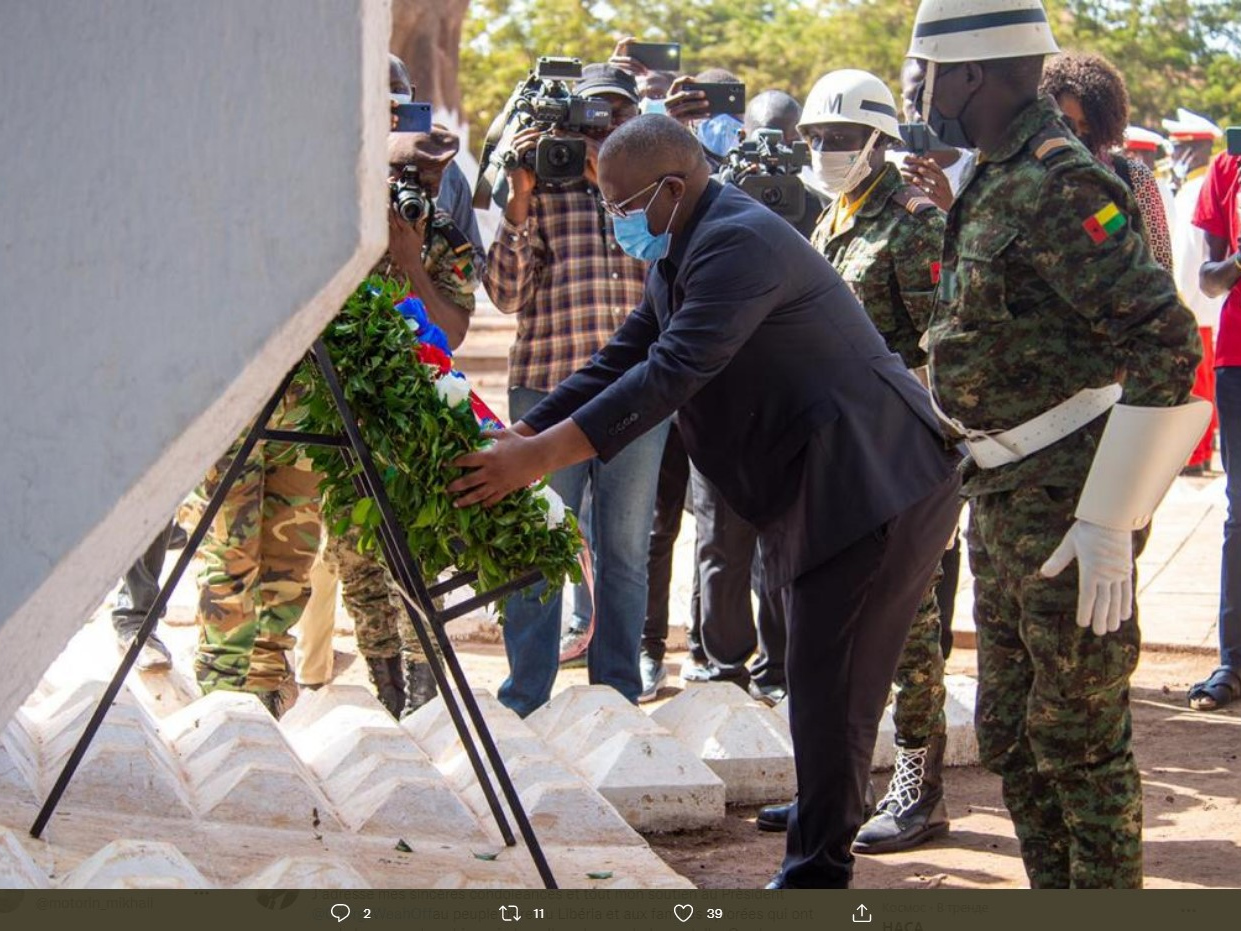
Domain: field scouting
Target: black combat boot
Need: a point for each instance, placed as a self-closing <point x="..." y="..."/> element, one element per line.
<point x="912" y="812"/>
<point x="388" y="680"/>
<point x="775" y="818"/>
<point x="420" y="686"/>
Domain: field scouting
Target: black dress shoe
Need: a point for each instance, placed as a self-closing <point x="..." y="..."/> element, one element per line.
<point x="774" y="818"/>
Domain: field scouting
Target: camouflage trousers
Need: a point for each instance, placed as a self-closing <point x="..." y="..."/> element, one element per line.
<point x="1053" y="699"/>
<point x="256" y="576"/>
<point x="918" y="706"/>
<point x="381" y="623"/>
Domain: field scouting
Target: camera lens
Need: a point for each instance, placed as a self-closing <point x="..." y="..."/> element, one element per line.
<point x="559" y="156"/>
<point x="770" y="196"/>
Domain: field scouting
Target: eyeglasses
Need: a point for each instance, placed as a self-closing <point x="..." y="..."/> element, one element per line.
<point x="621" y="210"/>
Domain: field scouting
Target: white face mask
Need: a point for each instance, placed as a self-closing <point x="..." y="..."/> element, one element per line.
<point x="401" y="99"/>
<point x="841" y="172"/>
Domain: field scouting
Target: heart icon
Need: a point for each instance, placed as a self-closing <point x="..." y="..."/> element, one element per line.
<point x="684" y="912"/>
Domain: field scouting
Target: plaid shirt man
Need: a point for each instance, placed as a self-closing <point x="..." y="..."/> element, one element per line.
<point x="567" y="280"/>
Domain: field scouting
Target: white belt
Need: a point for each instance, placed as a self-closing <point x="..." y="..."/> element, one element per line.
<point x="992" y="449"/>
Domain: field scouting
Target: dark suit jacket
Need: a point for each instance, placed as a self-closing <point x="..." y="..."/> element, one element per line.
<point x="789" y="400"/>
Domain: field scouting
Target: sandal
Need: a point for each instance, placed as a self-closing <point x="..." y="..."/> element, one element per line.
<point x="1222" y="687"/>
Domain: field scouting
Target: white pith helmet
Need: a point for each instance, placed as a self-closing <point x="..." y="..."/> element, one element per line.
<point x="851" y="96"/>
<point x="948" y="31"/>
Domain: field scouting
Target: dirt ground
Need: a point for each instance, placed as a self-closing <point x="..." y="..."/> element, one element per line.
<point x="1190" y="771"/>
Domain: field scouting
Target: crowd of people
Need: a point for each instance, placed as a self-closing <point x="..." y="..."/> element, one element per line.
<point x="1016" y="316"/>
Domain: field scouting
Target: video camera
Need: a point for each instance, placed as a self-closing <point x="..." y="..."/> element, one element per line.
<point x="767" y="169"/>
<point x="545" y="101"/>
<point x="409" y="198"/>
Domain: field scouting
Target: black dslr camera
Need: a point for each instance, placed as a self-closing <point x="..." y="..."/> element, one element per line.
<point x="767" y="169"/>
<point x="409" y="197"/>
<point x="544" y="101"/>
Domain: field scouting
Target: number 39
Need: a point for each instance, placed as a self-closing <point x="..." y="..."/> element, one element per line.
<point x="715" y="913"/>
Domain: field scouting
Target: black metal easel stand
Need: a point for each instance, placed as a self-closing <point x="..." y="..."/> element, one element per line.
<point x="408" y="575"/>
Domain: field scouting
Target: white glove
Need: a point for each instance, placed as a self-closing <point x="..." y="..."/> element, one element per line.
<point x="1104" y="573"/>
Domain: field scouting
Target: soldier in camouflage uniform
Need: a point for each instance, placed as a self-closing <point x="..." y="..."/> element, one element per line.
<point x="884" y="237"/>
<point x="438" y="262"/>
<point x="256" y="563"/>
<point x="1047" y="289"/>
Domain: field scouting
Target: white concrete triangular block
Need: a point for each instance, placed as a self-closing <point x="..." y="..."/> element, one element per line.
<point x="127" y="767"/>
<point x="136" y="864"/>
<point x="745" y="743"/>
<point x="17" y="870"/>
<point x="306" y="873"/>
<point x="574" y="705"/>
<point x="350" y="760"/>
<point x="18" y="772"/>
<point x="962" y="745"/>
<point x="335" y="708"/>
<point x="240" y="768"/>
<point x="376" y="776"/>
<point x="962" y="748"/>
<point x="655" y="782"/>
<point x="561" y="805"/>
<point x="432" y="728"/>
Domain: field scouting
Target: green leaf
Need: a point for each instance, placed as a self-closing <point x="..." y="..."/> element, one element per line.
<point x="362" y="510"/>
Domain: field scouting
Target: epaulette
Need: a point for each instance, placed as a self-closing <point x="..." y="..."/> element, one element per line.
<point x="457" y="240"/>
<point x="1049" y="144"/>
<point x="913" y="200"/>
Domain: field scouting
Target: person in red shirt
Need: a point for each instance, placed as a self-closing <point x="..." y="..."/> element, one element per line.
<point x="1216" y="215"/>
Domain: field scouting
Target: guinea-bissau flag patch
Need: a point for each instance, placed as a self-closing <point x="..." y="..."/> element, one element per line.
<point x="463" y="269"/>
<point x="1105" y="223"/>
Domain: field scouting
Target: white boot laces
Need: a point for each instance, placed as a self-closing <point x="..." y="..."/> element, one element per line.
<point x="905" y="789"/>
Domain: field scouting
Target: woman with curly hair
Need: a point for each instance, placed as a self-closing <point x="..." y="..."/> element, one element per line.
<point x="1092" y="96"/>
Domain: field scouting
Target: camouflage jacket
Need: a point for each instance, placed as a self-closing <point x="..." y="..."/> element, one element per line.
<point x="1047" y="288"/>
<point x="448" y="258"/>
<point x="888" y="254"/>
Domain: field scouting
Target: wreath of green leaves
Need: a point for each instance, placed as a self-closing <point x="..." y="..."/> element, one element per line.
<point x="413" y="435"/>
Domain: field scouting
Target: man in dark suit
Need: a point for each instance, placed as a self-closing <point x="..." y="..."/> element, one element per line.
<point x="791" y="404"/>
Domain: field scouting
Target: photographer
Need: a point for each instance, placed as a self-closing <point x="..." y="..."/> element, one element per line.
<point x="773" y="109"/>
<point x="556" y="264"/>
<point x="436" y="259"/>
<point x="431" y="253"/>
<point x="653" y="84"/>
<point x="454" y="193"/>
<point x="719" y="132"/>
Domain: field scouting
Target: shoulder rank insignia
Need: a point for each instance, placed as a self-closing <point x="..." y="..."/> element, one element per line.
<point x="913" y="200"/>
<point x="1050" y="146"/>
<point x="1104" y="223"/>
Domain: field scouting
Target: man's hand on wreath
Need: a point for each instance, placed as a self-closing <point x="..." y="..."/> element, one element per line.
<point x="509" y="462"/>
<point x="515" y="459"/>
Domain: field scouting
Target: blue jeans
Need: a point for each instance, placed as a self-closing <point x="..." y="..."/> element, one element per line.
<point x="1228" y="403"/>
<point x="622" y="502"/>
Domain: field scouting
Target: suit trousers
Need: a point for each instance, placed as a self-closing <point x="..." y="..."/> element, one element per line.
<point x="140" y="585"/>
<point x="722" y="624"/>
<point x="847" y="621"/>
<point x="670" y="495"/>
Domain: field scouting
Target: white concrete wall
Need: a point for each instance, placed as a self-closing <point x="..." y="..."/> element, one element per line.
<point x="188" y="191"/>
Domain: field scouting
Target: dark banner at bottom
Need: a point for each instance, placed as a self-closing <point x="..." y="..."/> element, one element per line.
<point x="631" y="910"/>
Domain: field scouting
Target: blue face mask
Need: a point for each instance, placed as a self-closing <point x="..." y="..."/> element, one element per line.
<point x="653" y="106"/>
<point x="719" y="134"/>
<point x="635" y="237"/>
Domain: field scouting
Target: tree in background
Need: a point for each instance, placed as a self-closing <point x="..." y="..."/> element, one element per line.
<point x="426" y="34"/>
<point x="1172" y="52"/>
